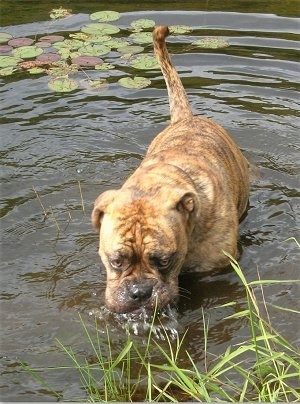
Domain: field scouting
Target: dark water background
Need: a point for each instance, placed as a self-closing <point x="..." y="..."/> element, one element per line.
<point x="61" y="149"/>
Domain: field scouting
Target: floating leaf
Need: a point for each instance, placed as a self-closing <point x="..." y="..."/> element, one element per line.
<point x="63" y="84"/>
<point x="130" y="49"/>
<point x="141" y="37"/>
<point x="79" y="35"/>
<point x="87" y="61"/>
<point x="43" y="44"/>
<point x="94" y="50"/>
<point x="144" y="62"/>
<point x="136" y="82"/>
<point x="105" y="16"/>
<point x="104" y="66"/>
<point x="62" y="69"/>
<point x="4" y="37"/>
<point x="97" y="38"/>
<point x="142" y="24"/>
<point x="7" y="71"/>
<point x="94" y="85"/>
<point x="180" y="29"/>
<point x="6" y="61"/>
<point x="69" y="44"/>
<point x="36" y="70"/>
<point x="31" y="64"/>
<point x="60" y="12"/>
<point x="100" y="29"/>
<point x="27" y="52"/>
<point x="52" y="38"/>
<point x="5" y="48"/>
<point x="116" y="43"/>
<point x="48" y="57"/>
<point x="17" y="42"/>
<point x="212" y="43"/>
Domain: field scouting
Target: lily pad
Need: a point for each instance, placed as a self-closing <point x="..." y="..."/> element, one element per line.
<point x="180" y="29"/>
<point x="97" y="38"/>
<point x="144" y="62"/>
<point x="4" y="37"/>
<point x="62" y="69"/>
<point x="60" y="12"/>
<point x="7" y="61"/>
<point x="130" y="49"/>
<point x="5" y="48"/>
<point x="36" y="70"/>
<point x="211" y="43"/>
<point x="136" y="82"/>
<point x="87" y="61"/>
<point x="17" y="42"/>
<point x="43" y="44"/>
<point x="141" y="37"/>
<point x="7" y="71"/>
<point x="94" y="50"/>
<point x="94" y="85"/>
<point x="63" y="84"/>
<point x="104" y="66"/>
<point x="142" y="23"/>
<point x="69" y="44"/>
<point x="100" y="29"/>
<point x="52" y="38"/>
<point x="27" y="52"/>
<point x="48" y="57"/>
<point x="105" y="16"/>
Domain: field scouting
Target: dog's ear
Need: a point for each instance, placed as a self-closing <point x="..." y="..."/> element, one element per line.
<point x="100" y="206"/>
<point x="188" y="204"/>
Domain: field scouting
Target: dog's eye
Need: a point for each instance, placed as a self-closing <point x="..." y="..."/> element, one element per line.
<point x="119" y="263"/>
<point x="161" y="263"/>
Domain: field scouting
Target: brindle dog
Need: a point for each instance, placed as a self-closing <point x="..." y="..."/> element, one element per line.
<point x="179" y="210"/>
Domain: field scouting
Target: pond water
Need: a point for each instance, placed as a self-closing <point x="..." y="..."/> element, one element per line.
<point x="59" y="151"/>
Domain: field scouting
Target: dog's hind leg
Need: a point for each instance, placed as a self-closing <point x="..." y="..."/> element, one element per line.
<point x="179" y="105"/>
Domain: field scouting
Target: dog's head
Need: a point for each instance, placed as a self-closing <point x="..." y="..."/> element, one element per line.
<point x="143" y="244"/>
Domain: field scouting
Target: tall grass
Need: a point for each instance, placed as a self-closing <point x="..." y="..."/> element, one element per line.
<point x="265" y="367"/>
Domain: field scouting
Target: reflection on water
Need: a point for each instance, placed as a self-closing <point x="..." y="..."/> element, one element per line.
<point x="59" y="152"/>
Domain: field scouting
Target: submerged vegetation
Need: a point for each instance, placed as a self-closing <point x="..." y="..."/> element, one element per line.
<point x="99" y="46"/>
<point x="265" y="367"/>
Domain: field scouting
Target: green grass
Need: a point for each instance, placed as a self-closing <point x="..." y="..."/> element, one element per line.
<point x="265" y="367"/>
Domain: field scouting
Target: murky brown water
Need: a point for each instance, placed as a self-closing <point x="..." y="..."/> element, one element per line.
<point x="55" y="148"/>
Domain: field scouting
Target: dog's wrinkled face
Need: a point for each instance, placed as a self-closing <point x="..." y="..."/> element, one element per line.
<point x="143" y="245"/>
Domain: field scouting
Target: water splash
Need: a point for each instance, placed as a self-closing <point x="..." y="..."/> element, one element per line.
<point x="161" y="324"/>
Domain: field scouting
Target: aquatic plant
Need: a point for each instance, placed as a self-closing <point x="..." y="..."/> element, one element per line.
<point x="98" y="43"/>
<point x="264" y="367"/>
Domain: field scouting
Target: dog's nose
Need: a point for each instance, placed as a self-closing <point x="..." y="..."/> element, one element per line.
<point x="141" y="291"/>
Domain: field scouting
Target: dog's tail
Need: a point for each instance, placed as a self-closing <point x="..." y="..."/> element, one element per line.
<point x="179" y="104"/>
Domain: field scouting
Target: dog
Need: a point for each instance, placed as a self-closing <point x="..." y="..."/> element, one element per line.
<point x="180" y="209"/>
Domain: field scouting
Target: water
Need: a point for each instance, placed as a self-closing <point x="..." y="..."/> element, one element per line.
<point x="59" y="152"/>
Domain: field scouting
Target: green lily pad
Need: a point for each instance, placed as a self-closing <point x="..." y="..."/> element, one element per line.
<point x="136" y="82"/>
<point x="144" y="62"/>
<point x="94" y="50"/>
<point x="62" y="69"/>
<point x="60" y="12"/>
<point x="105" y="16"/>
<point x="141" y="37"/>
<point x="100" y="29"/>
<point x="97" y="38"/>
<point x="130" y="49"/>
<point x="69" y="44"/>
<point x="211" y="43"/>
<point x="5" y="37"/>
<point x="142" y="23"/>
<point x="27" y="52"/>
<point x="62" y="84"/>
<point x="7" y="71"/>
<point x="104" y="66"/>
<point x="36" y="70"/>
<point x="180" y="29"/>
<point x="93" y="86"/>
<point x="7" y="61"/>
